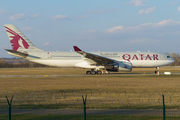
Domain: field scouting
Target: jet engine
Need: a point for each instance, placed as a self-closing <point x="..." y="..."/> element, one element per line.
<point x="120" y="66"/>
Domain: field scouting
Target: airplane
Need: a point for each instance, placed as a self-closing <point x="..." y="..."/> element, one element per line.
<point x="96" y="61"/>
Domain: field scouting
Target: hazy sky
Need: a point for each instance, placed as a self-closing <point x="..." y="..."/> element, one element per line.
<point x="94" y="25"/>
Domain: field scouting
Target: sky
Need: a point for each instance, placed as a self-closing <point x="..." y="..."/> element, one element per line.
<point x="94" y="25"/>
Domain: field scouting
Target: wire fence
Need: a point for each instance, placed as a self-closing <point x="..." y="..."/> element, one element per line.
<point x="93" y="97"/>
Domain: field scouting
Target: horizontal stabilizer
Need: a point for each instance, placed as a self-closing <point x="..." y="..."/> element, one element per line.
<point x="24" y="55"/>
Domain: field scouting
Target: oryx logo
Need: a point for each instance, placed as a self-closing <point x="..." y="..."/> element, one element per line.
<point x="17" y="41"/>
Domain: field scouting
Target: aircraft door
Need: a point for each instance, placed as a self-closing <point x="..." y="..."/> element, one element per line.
<point x="44" y="55"/>
<point x="48" y="55"/>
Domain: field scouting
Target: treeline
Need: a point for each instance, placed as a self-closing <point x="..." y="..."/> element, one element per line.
<point x="24" y="64"/>
<point x="28" y="64"/>
<point x="175" y="56"/>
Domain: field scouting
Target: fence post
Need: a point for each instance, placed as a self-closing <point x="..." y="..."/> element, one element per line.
<point x="164" y="116"/>
<point x="9" y="107"/>
<point x="84" y="110"/>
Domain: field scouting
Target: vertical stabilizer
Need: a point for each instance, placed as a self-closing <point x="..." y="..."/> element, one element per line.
<point x="18" y="41"/>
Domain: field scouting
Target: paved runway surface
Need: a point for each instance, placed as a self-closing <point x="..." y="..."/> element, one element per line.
<point x="91" y="111"/>
<point x="122" y="74"/>
<point x="112" y="74"/>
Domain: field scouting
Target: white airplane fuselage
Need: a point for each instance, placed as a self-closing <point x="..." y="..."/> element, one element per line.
<point x="73" y="59"/>
<point x="111" y="61"/>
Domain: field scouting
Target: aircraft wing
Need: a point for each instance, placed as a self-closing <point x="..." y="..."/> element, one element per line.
<point x="97" y="58"/>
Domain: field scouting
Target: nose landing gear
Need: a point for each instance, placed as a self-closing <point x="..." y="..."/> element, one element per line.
<point x="157" y="71"/>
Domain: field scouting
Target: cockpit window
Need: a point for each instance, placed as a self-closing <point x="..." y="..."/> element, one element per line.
<point x="168" y="57"/>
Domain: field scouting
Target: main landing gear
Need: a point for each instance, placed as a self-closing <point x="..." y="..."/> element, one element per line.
<point x="94" y="72"/>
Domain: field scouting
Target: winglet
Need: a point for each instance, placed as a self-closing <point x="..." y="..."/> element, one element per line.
<point x="77" y="49"/>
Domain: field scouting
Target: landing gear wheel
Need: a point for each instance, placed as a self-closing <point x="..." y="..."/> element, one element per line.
<point x="93" y="72"/>
<point x="99" y="72"/>
<point x="88" y="72"/>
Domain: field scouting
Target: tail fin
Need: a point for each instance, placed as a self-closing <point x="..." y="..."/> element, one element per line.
<point x="19" y="42"/>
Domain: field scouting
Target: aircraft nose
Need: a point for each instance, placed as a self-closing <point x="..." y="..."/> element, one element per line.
<point x="172" y="60"/>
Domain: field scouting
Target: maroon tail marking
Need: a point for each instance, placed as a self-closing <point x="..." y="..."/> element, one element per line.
<point x="16" y="38"/>
<point x="76" y="48"/>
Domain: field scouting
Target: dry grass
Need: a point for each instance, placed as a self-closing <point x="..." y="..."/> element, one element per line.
<point x="137" y="83"/>
<point x="40" y="71"/>
<point x="103" y="82"/>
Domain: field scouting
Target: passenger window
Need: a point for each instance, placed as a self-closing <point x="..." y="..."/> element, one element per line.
<point x="168" y="56"/>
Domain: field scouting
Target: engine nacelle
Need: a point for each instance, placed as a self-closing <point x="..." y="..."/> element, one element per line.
<point x="121" y="66"/>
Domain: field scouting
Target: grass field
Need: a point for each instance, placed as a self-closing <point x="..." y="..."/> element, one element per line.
<point x="117" y="82"/>
<point x="124" y="83"/>
<point x="127" y="83"/>
<point x="67" y="71"/>
<point x="102" y="82"/>
<point x="89" y="117"/>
